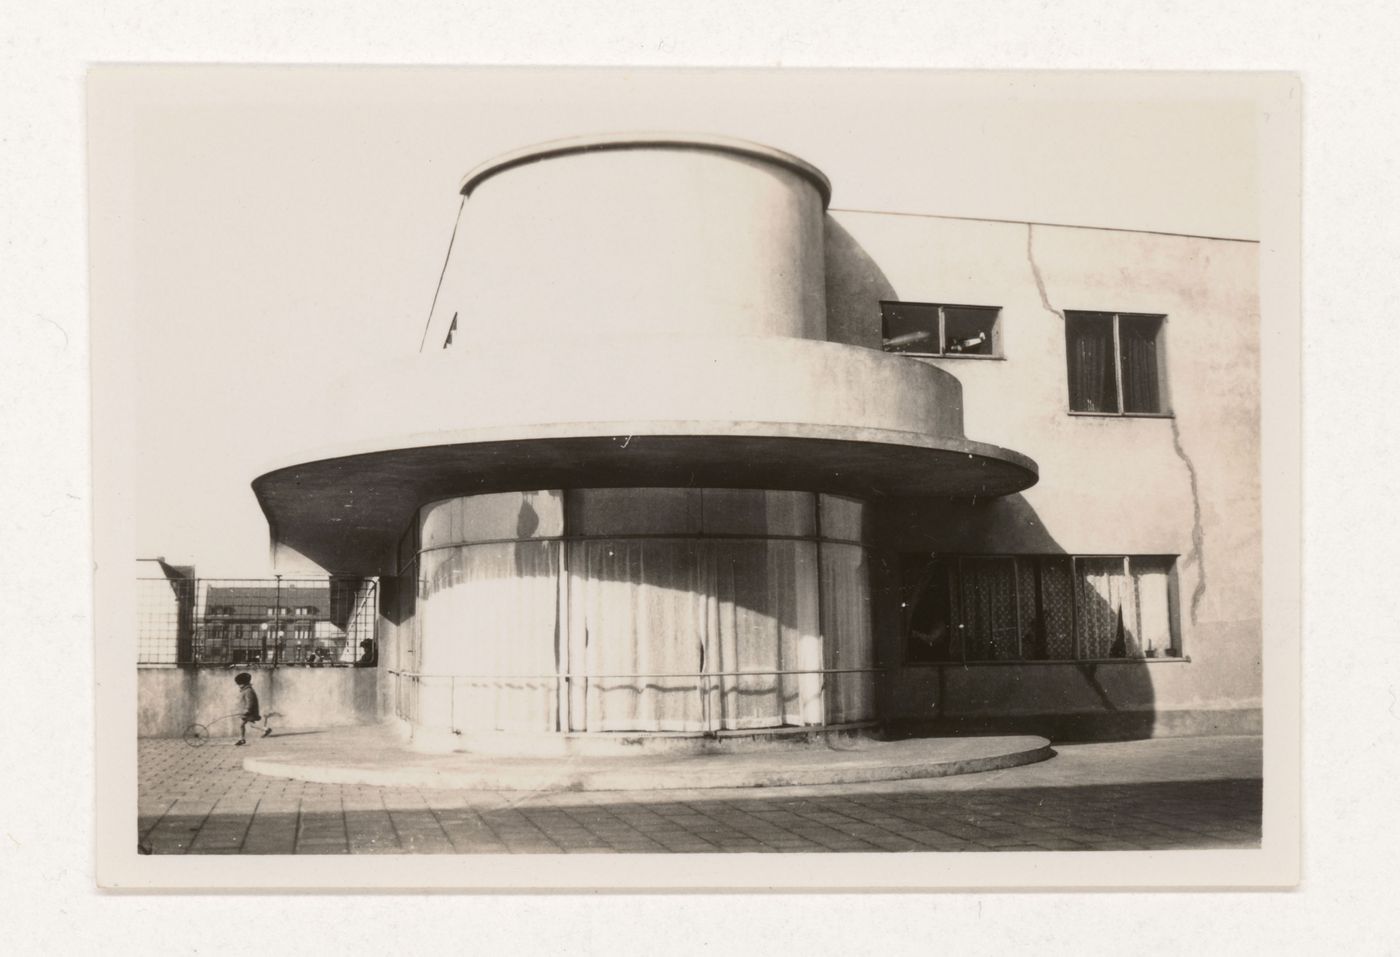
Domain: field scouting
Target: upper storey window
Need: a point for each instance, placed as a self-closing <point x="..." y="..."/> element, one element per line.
<point x="935" y="329"/>
<point x="1117" y="363"/>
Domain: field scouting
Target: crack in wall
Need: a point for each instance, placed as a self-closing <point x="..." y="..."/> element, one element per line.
<point x="1035" y="272"/>
<point x="1197" y="555"/>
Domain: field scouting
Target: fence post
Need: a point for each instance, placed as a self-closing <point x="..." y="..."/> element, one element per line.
<point x="276" y="626"/>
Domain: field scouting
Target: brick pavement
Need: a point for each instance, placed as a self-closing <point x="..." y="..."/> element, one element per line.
<point x="1165" y="794"/>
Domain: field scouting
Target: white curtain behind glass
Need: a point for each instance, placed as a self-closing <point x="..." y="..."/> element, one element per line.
<point x="768" y="621"/>
<point x="845" y="623"/>
<point x="637" y="607"/>
<point x="682" y="612"/>
<point x="1103" y="605"/>
<point x="1151" y="581"/>
<point x="490" y="610"/>
<point x="685" y="607"/>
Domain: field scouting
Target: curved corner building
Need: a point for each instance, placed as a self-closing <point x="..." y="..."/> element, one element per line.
<point x="625" y="484"/>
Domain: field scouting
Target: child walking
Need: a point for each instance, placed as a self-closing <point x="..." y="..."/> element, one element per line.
<point x="248" y="707"/>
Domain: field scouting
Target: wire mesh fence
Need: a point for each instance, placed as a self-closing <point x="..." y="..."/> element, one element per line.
<point x="224" y="622"/>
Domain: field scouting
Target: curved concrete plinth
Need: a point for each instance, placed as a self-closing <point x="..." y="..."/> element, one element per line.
<point x="375" y="756"/>
<point x="842" y="737"/>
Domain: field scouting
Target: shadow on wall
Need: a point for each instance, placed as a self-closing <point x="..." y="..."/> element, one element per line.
<point x="855" y="284"/>
<point x="1064" y="701"/>
<point x="169" y="700"/>
<point x="1059" y="699"/>
<point x="966" y="526"/>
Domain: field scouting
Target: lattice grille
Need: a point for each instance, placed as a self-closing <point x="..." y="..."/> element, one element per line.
<point x="323" y="622"/>
<point x="989" y="603"/>
<point x="1032" y="644"/>
<point x="164" y="620"/>
<point x="1057" y="601"/>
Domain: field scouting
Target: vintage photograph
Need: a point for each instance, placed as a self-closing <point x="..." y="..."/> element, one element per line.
<point x="529" y="462"/>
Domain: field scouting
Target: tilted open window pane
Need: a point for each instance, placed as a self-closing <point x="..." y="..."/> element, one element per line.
<point x="910" y="327"/>
<point x="969" y="330"/>
<point x="933" y="329"/>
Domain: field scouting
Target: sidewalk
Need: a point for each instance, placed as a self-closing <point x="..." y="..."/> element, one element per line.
<point x="1157" y="794"/>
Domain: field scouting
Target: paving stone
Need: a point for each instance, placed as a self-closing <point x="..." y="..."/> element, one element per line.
<point x="1059" y="844"/>
<point x="1099" y="797"/>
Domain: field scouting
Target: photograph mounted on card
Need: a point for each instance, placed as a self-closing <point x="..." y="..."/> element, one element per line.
<point x="500" y="471"/>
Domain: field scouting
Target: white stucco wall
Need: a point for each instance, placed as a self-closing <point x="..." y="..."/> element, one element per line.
<point x="169" y="700"/>
<point x="1186" y="485"/>
<point x="652" y="240"/>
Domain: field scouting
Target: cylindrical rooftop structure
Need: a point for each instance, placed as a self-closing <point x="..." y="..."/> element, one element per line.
<point x="640" y="236"/>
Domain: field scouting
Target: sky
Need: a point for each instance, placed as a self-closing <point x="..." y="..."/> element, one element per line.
<point x="289" y="225"/>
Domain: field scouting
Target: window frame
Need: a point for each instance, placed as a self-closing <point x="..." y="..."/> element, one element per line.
<point x="1163" y="392"/>
<point x="997" y="353"/>
<point x="956" y="621"/>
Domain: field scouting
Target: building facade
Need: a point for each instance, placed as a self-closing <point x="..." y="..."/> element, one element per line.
<point x="291" y="623"/>
<point x="1126" y="365"/>
<point x="685" y="452"/>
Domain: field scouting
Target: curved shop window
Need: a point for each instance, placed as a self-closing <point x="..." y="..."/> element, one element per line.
<point x="679" y="610"/>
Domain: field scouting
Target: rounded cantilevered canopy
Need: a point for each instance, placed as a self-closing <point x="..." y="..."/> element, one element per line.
<point x="630" y="310"/>
<point x="772" y="413"/>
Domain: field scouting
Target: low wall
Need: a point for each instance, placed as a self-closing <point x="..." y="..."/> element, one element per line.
<point x="1095" y="726"/>
<point x="171" y="699"/>
<point x="1209" y="693"/>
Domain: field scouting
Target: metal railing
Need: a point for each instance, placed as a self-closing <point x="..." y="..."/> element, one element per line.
<point x="708" y="685"/>
<point x="268" y="622"/>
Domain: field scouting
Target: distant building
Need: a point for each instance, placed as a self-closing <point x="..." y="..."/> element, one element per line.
<point x="291" y="625"/>
<point x="685" y="451"/>
<point x="192" y="621"/>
